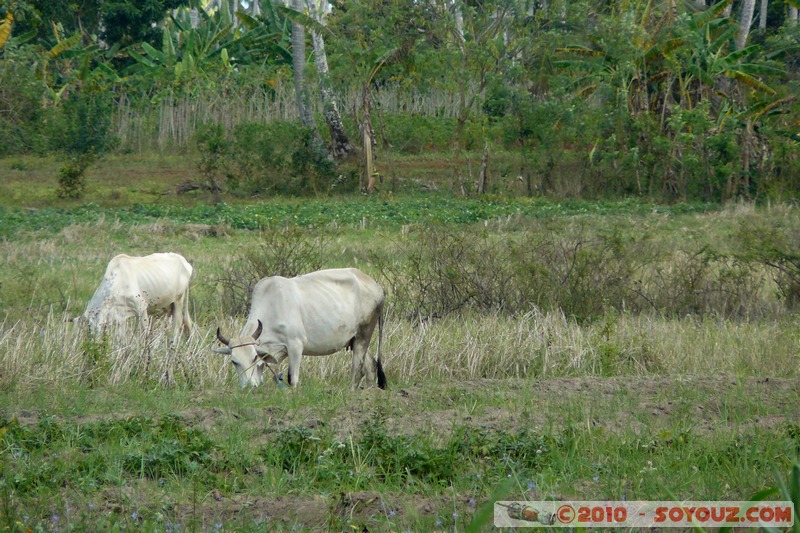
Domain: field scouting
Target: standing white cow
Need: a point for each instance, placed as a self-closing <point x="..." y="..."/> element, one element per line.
<point x="315" y="314"/>
<point x="134" y="286"/>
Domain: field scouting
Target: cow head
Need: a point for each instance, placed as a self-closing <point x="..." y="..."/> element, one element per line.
<point x="247" y="357"/>
<point x="97" y="319"/>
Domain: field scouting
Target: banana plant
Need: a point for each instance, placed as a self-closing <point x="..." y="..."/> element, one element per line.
<point x="71" y="63"/>
<point x="707" y="55"/>
<point x="5" y="28"/>
<point x="215" y="45"/>
<point x="9" y="41"/>
<point x="687" y="59"/>
<point x="619" y="59"/>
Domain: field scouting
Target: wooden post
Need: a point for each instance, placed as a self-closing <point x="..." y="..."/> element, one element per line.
<point x="483" y="178"/>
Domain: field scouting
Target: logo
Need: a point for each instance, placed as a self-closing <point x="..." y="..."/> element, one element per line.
<point x="630" y="514"/>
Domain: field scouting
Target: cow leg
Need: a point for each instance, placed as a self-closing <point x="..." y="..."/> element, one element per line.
<point x="187" y="319"/>
<point x="363" y="364"/>
<point x="295" y="354"/>
<point x="358" y="366"/>
<point x="142" y="319"/>
<point x="176" y="310"/>
<point x="362" y="361"/>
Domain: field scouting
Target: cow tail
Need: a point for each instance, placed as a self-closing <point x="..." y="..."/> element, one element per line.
<point x="381" y="375"/>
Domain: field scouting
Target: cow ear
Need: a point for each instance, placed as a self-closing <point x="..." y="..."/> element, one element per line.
<point x="257" y="333"/>
<point x="224" y="351"/>
<point x="266" y="356"/>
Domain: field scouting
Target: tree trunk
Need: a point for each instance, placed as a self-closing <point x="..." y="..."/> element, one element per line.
<point x="463" y="108"/>
<point x="194" y="18"/>
<point x="762" y="15"/>
<point x="298" y="66"/>
<point x="746" y="18"/>
<point x="792" y="16"/>
<point x="340" y="143"/>
<point x="368" y="139"/>
<point x="316" y="146"/>
<point x="459" y="20"/>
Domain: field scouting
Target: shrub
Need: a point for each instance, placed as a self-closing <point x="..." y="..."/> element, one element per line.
<point x="312" y="164"/>
<point x="277" y="157"/>
<point x="412" y="133"/>
<point x="81" y="133"/>
<point x="701" y="281"/>
<point x="436" y="272"/>
<point x="71" y="175"/>
<point x="775" y="244"/>
<point x="288" y="252"/>
<point x="444" y="272"/>
<point x="214" y="148"/>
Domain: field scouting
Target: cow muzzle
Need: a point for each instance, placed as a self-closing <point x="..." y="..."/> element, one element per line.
<point x="253" y="376"/>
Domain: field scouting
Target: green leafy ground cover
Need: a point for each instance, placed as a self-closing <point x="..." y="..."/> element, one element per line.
<point x="346" y="211"/>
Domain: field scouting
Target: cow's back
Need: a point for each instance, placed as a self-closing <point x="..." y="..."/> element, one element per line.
<point x="161" y="277"/>
<point x="324" y="308"/>
<point x="323" y="289"/>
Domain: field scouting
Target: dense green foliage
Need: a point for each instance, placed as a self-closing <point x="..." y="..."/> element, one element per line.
<point x="623" y="98"/>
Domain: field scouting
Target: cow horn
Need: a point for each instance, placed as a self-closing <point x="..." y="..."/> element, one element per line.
<point x="257" y="333"/>
<point x="222" y="339"/>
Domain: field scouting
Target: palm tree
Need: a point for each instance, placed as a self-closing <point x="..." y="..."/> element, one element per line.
<point x="316" y="146"/>
<point x="745" y="19"/>
<point x="298" y="66"/>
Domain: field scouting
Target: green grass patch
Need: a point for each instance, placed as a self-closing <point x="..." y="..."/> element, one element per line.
<point x="198" y="465"/>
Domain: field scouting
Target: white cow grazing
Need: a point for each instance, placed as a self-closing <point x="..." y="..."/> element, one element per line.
<point x="315" y="314"/>
<point x="136" y="286"/>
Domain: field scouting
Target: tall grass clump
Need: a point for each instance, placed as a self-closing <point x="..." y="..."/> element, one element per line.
<point x="56" y="350"/>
